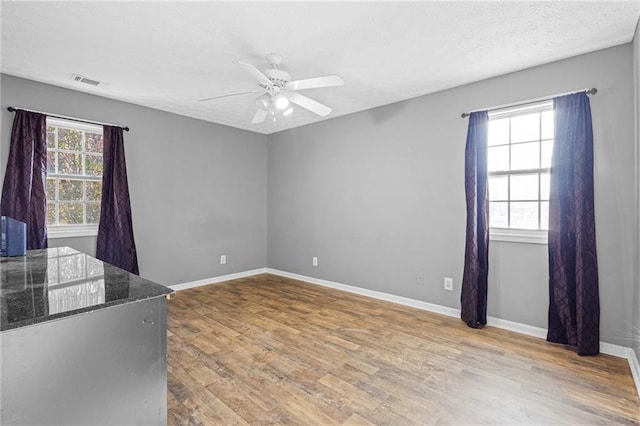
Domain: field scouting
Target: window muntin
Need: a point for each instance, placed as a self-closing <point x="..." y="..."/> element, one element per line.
<point x="520" y="142"/>
<point x="74" y="175"/>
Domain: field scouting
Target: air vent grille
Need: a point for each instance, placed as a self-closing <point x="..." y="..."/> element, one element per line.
<point x="81" y="79"/>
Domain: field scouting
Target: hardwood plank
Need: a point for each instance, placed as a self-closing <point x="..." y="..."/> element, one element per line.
<point x="350" y="391"/>
<point x="356" y="420"/>
<point x="271" y="350"/>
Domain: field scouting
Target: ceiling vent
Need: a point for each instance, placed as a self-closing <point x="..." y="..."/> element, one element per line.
<point x="81" y="79"/>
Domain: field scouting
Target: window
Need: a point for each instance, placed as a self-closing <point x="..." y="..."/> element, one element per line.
<point x="520" y="143"/>
<point x="74" y="178"/>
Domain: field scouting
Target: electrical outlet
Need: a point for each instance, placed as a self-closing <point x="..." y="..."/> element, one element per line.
<point x="448" y="283"/>
<point x="420" y="279"/>
<point x="315" y="261"/>
<point x="223" y="259"/>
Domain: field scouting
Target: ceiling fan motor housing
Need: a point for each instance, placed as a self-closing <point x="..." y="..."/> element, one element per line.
<point x="277" y="76"/>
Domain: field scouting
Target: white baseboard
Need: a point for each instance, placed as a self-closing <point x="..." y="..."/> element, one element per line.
<point x="529" y="330"/>
<point x="517" y="327"/>
<point x="218" y="279"/>
<point x="615" y="350"/>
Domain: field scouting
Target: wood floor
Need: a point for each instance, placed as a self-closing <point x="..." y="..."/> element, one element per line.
<point x="270" y="350"/>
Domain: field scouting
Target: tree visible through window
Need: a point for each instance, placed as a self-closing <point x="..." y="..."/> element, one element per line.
<point x="519" y="163"/>
<point x="74" y="173"/>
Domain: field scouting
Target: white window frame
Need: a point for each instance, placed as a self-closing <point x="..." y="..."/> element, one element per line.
<point x="77" y="230"/>
<point x="515" y="235"/>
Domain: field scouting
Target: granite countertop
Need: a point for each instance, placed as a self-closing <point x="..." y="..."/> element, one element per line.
<point x="55" y="283"/>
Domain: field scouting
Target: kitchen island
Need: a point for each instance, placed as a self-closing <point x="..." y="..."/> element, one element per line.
<point x="81" y="342"/>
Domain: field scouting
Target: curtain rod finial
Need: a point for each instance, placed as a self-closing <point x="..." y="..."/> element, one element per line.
<point x="592" y="91"/>
<point x="464" y="115"/>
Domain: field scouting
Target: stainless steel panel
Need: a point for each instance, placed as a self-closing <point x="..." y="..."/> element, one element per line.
<point x="104" y="367"/>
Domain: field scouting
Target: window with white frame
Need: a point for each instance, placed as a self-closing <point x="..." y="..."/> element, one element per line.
<point x="74" y="177"/>
<point x="520" y="143"/>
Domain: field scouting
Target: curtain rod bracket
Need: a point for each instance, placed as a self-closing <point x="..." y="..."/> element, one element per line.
<point x="14" y="109"/>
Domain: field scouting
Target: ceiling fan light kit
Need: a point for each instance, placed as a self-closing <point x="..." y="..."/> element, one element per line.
<point x="264" y="101"/>
<point x="281" y="101"/>
<point x="278" y="91"/>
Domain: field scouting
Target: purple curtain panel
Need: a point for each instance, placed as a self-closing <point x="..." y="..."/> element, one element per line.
<point x="574" y="304"/>
<point x="116" y="244"/>
<point x="473" y="299"/>
<point x="23" y="192"/>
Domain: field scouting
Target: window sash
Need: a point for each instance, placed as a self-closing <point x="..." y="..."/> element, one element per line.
<point x="58" y="230"/>
<point x="514" y="234"/>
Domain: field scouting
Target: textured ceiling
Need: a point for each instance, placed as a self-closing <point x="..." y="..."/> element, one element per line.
<point x="166" y="55"/>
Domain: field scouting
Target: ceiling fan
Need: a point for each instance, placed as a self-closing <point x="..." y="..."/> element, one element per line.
<point x="278" y="92"/>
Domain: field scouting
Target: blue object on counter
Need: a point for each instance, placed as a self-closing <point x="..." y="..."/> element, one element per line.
<point x="14" y="237"/>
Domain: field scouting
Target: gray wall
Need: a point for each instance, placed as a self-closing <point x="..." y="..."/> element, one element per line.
<point x="378" y="196"/>
<point x="198" y="190"/>
<point x="636" y="311"/>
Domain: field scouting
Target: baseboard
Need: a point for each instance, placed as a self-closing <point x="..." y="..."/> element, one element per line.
<point x="635" y="368"/>
<point x="529" y="330"/>
<point x="517" y="327"/>
<point x="218" y="279"/>
<point x="615" y="350"/>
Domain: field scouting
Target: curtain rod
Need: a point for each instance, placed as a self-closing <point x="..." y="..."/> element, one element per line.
<point x="591" y="91"/>
<point x="13" y="109"/>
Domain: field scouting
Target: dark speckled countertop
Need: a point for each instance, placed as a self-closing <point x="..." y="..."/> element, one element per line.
<point x="55" y="283"/>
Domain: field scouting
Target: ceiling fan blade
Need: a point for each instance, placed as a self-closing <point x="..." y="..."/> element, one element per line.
<point x="229" y="94"/>
<point x="259" y="117"/>
<point x="310" y="104"/>
<point x="255" y="72"/>
<point x="312" y="83"/>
